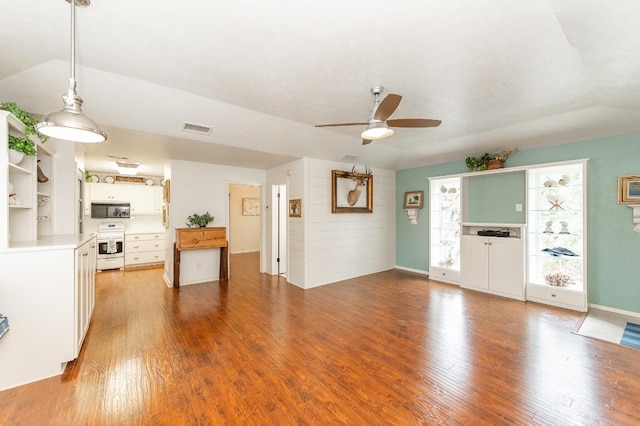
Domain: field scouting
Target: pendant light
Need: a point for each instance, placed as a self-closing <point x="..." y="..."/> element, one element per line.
<point x="71" y="124"/>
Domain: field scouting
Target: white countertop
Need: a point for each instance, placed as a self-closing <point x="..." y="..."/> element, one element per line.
<point x="54" y="242"/>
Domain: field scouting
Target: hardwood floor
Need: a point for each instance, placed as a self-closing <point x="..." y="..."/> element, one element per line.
<point x="389" y="348"/>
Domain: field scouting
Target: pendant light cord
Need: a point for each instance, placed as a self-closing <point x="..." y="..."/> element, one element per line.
<point x="73" y="40"/>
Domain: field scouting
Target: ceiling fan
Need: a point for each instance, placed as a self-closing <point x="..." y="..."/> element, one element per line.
<point x="378" y="123"/>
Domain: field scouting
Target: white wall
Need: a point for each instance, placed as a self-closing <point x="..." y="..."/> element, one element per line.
<point x="346" y="245"/>
<point x="244" y="231"/>
<point x="198" y="188"/>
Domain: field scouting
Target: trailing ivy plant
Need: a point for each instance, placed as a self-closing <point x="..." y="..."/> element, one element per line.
<point x="23" y="144"/>
<point x="199" y="220"/>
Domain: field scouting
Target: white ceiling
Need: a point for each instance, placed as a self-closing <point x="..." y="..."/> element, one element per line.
<point x="498" y="73"/>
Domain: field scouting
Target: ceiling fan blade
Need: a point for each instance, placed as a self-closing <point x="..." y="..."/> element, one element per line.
<point x="366" y="141"/>
<point x="341" y="124"/>
<point x="413" y="122"/>
<point x="387" y="107"/>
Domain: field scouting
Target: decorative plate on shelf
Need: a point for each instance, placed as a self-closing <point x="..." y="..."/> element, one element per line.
<point x="95" y="179"/>
<point x="109" y="179"/>
<point x="149" y="182"/>
<point x="161" y="182"/>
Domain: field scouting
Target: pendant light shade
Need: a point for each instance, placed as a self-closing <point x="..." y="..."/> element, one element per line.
<point x="71" y="124"/>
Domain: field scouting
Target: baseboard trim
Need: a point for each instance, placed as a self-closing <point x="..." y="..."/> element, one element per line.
<point x="615" y="310"/>
<point x="417" y="271"/>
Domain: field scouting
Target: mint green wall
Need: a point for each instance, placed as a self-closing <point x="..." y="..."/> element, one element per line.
<point x="613" y="247"/>
<point x="493" y="198"/>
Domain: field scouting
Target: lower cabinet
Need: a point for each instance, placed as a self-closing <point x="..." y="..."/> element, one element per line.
<point x="493" y="265"/>
<point x="142" y="249"/>
<point x="85" y="291"/>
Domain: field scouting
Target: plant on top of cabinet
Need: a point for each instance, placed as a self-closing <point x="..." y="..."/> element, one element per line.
<point x="199" y="220"/>
<point x="490" y="161"/>
<point x="27" y="119"/>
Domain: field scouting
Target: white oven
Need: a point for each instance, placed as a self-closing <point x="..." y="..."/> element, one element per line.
<point x="110" y="242"/>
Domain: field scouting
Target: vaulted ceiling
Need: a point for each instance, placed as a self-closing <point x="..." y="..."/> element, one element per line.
<point x="498" y="73"/>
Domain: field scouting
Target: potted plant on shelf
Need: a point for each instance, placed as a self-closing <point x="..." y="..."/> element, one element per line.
<point x="490" y="161"/>
<point x="497" y="162"/>
<point x="21" y="146"/>
<point x="199" y="220"/>
<point x="478" y="163"/>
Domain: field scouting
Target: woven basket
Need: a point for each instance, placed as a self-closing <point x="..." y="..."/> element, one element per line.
<point x="495" y="164"/>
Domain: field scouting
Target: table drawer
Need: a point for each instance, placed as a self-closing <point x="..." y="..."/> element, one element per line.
<point x="191" y="238"/>
<point x="143" y="237"/>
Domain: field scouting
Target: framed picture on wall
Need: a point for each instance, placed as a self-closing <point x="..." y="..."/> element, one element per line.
<point x="413" y="200"/>
<point x="629" y="189"/>
<point x="251" y="207"/>
<point x="295" y="208"/>
<point x="351" y="192"/>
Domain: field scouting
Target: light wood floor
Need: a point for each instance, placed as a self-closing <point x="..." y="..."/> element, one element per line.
<point x="390" y="348"/>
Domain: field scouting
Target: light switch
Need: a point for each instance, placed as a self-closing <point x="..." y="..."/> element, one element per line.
<point x="518" y="207"/>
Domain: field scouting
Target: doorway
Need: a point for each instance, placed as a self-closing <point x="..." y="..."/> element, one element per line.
<point x="245" y="222"/>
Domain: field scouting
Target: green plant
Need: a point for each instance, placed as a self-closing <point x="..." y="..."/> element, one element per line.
<point x="87" y="176"/>
<point x="27" y="119"/>
<point x="24" y="144"/>
<point x="478" y="163"/>
<point x="199" y="220"/>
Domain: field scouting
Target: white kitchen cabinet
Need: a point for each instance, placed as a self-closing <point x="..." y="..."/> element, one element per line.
<point x="557" y="224"/>
<point x="444" y="229"/>
<point x="493" y="264"/>
<point x="47" y="289"/>
<point x="142" y="249"/>
<point x="143" y="200"/>
<point x="85" y="291"/>
<point x="109" y="192"/>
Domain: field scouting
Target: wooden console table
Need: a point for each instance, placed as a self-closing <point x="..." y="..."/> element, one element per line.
<point x="200" y="238"/>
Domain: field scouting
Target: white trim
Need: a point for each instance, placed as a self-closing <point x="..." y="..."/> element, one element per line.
<point x="511" y="169"/>
<point x="417" y="271"/>
<point x="615" y="310"/>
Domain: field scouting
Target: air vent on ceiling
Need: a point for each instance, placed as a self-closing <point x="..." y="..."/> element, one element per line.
<point x="349" y="158"/>
<point x="196" y="128"/>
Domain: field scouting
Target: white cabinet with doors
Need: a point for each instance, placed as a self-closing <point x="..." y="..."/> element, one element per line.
<point x="108" y="192"/>
<point x="444" y="229"/>
<point x="493" y="264"/>
<point x="143" y="200"/>
<point x="557" y="234"/>
<point x="84" y="291"/>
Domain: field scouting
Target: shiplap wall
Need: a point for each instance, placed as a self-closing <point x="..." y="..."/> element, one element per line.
<point x="346" y="245"/>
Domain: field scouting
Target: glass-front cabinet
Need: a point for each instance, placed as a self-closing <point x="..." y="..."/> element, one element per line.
<point x="444" y="229"/>
<point x="556" y="208"/>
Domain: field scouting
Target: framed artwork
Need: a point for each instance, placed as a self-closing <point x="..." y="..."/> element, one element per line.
<point x="413" y="200"/>
<point x="165" y="215"/>
<point x="251" y="207"/>
<point x="166" y="191"/>
<point x="628" y="189"/>
<point x="295" y="208"/>
<point x="351" y="192"/>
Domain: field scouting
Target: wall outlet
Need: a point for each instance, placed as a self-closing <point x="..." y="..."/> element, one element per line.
<point x="518" y="207"/>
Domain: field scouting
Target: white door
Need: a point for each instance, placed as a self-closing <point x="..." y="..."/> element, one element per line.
<point x="282" y="229"/>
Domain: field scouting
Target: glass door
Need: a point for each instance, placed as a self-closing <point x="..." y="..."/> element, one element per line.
<point x="444" y="229"/>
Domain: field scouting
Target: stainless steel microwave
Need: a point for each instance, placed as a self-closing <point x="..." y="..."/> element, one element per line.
<point x="110" y="210"/>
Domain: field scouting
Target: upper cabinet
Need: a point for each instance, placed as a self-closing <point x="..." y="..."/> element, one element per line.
<point x="557" y="235"/>
<point x="144" y="199"/>
<point x="27" y="206"/>
<point x="444" y="229"/>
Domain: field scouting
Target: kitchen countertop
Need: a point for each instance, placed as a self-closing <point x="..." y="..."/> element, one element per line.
<point x="54" y="242"/>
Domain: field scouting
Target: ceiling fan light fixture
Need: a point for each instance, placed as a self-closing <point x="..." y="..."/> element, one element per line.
<point x="377" y="130"/>
<point x="71" y="124"/>
<point x="128" y="169"/>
